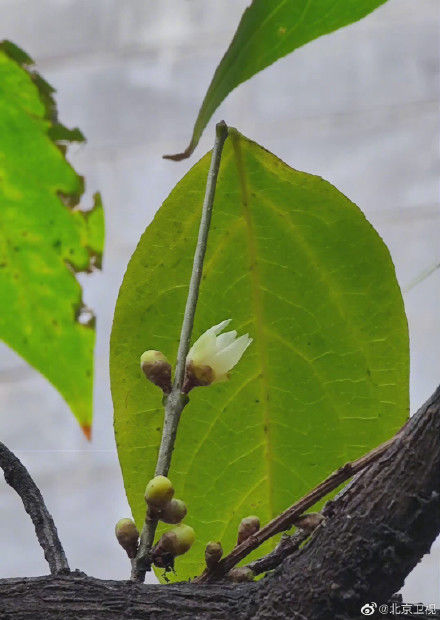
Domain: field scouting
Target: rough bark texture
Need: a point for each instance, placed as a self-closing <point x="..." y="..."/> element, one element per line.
<point x="376" y="532"/>
<point x="78" y="597"/>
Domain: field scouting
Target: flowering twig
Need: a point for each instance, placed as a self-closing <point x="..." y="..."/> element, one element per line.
<point x="287" y="518"/>
<point x="18" y="477"/>
<point x="176" y="400"/>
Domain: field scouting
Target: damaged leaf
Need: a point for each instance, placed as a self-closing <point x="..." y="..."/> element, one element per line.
<point x="45" y="238"/>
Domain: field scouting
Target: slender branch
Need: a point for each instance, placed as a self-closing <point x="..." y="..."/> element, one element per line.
<point x="287" y="518"/>
<point x="176" y="401"/>
<point x="286" y="546"/>
<point x="17" y="476"/>
<point x="199" y="255"/>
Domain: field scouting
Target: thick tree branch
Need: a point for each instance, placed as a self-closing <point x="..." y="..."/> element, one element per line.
<point x="17" y="476"/>
<point x="79" y="597"/>
<point x="377" y="529"/>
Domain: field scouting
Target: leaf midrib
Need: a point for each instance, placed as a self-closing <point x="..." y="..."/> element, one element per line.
<point x="257" y="303"/>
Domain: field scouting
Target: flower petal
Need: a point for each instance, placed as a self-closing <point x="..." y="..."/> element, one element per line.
<point x="225" y="339"/>
<point x="226" y="359"/>
<point x="205" y="347"/>
<point x="220" y="327"/>
<point x="202" y="348"/>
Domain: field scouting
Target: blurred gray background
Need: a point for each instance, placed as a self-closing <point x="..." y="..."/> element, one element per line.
<point x="358" y="107"/>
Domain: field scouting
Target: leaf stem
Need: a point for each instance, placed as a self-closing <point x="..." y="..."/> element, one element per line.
<point x="176" y="400"/>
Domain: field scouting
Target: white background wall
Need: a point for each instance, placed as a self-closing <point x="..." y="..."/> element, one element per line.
<point x="359" y="107"/>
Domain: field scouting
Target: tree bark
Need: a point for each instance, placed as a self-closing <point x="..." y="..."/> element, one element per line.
<point x="377" y="530"/>
<point x="17" y="476"/>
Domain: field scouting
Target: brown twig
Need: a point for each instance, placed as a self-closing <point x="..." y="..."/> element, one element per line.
<point x="287" y="518"/>
<point x="176" y="401"/>
<point x="286" y="546"/>
<point x="17" y="476"/>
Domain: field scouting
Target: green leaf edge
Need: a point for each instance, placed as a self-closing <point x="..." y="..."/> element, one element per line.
<point x="61" y="136"/>
<point x="206" y="111"/>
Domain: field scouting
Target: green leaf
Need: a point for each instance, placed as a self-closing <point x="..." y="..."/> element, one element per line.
<point x="45" y="237"/>
<point x="293" y="262"/>
<point x="269" y="30"/>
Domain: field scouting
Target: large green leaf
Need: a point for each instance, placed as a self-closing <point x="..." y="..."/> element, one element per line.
<point x="268" y="30"/>
<point x="293" y="262"/>
<point x="45" y="238"/>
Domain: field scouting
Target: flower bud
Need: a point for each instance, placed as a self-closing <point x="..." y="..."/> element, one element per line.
<point x="172" y="543"/>
<point x="309" y="522"/>
<point x="173" y="512"/>
<point x="248" y="526"/>
<point x="213" y="554"/>
<point x="185" y="536"/>
<point x="240" y="574"/>
<point x="159" y="491"/>
<point x="213" y="355"/>
<point x="127" y="535"/>
<point x="162" y="554"/>
<point x="157" y="369"/>
<point x="178" y="540"/>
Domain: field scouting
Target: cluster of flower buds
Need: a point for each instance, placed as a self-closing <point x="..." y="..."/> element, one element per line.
<point x="162" y="506"/>
<point x="128" y="536"/>
<point x="209" y="360"/>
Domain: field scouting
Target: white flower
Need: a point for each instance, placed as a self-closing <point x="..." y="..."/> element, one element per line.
<point x="212" y="356"/>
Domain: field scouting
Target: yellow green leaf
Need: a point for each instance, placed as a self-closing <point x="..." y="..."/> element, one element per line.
<point x="45" y="237"/>
<point x="295" y="263"/>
